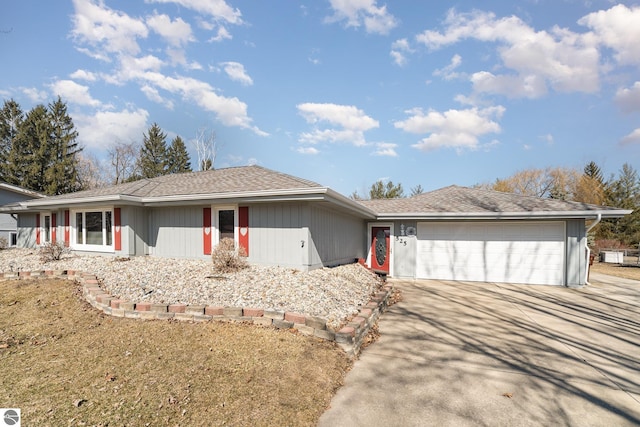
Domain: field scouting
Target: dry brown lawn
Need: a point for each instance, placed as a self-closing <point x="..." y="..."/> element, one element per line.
<point x="624" y="271"/>
<point x="64" y="363"/>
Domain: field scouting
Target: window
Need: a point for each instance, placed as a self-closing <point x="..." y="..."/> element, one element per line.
<point x="226" y="224"/>
<point x="93" y="229"/>
<point x="14" y="239"/>
<point x="47" y="229"/>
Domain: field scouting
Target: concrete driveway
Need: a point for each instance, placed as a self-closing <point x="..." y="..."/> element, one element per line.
<point x="483" y="354"/>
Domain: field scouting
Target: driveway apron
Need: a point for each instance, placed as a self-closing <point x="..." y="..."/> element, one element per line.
<point x="486" y="354"/>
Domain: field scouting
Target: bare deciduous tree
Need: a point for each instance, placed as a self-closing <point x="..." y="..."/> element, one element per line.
<point x="124" y="159"/>
<point x="207" y="147"/>
<point x="91" y="173"/>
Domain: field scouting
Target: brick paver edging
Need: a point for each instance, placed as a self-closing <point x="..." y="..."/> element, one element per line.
<point x="349" y="337"/>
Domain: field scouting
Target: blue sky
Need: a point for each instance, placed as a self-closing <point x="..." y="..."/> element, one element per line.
<point x="342" y="92"/>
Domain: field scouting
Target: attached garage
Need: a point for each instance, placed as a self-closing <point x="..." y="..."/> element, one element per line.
<point x="503" y="251"/>
<point x="473" y="234"/>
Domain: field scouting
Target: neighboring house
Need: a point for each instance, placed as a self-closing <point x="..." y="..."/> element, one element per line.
<point x="454" y="233"/>
<point x="10" y="194"/>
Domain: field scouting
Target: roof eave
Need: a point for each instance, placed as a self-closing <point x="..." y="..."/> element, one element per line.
<point x="591" y="214"/>
<point x="96" y="200"/>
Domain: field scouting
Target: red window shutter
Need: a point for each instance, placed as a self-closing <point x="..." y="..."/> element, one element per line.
<point x="54" y="228"/>
<point x="66" y="228"/>
<point x="206" y="230"/>
<point x="117" y="235"/>
<point x="243" y="223"/>
<point x="37" y="229"/>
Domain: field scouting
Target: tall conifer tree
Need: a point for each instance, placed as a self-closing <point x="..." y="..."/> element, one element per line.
<point x="153" y="154"/>
<point x="178" y="159"/>
<point x="61" y="175"/>
<point x="11" y="117"/>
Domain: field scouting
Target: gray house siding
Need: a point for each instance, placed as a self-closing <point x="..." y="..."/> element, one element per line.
<point x="276" y="233"/>
<point x="176" y="232"/>
<point x="336" y="238"/>
<point x="134" y="231"/>
<point x="576" y="254"/>
<point x="303" y="236"/>
<point x="9" y="222"/>
<point x="27" y="230"/>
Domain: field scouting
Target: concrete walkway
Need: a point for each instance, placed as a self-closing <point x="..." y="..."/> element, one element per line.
<point x="482" y="354"/>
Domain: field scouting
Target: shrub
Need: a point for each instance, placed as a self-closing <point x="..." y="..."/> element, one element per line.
<point x="4" y="243"/>
<point x="52" y="252"/>
<point x="227" y="258"/>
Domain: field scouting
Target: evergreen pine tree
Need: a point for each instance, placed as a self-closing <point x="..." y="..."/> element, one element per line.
<point x="61" y="175"/>
<point x="153" y="154"/>
<point x="178" y="159"/>
<point x="28" y="158"/>
<point x="11" y="117"/>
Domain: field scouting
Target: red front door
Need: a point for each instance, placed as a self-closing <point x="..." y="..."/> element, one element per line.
<point x="380" y="241"/>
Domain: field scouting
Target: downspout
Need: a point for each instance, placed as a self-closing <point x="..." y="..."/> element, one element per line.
<point x="586" y="245"/>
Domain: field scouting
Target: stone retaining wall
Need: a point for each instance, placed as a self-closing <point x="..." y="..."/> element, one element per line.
<point x="349" y="338"/>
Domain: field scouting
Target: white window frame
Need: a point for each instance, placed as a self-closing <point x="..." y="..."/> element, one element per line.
<point x="215" y="210"/>
<point x="44" y="236"/>
<point x="104" y="247"/>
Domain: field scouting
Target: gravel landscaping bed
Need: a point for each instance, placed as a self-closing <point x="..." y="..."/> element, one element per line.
<point x="333" y="294"/>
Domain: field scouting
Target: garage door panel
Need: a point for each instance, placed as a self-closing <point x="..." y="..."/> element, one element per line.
<point x="530" y="252"/>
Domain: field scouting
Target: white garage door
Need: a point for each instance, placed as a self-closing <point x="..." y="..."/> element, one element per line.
<point x="516" y="252"/>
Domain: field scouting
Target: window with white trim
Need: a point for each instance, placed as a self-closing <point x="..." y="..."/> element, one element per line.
<point x="92" y="229"/>
<point x="225" y="222"/>
<point x="46" y="228"/>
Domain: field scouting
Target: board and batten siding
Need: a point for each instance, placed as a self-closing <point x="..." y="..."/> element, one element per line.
<point x="576" y="256"/>
<point x="176" y="232"/>
<point x="276" y="234"/>
<point x="336" y="238"/>
<point x="26" y="230"/>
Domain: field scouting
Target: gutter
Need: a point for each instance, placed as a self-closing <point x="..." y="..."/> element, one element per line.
<point x="586" y="245"/>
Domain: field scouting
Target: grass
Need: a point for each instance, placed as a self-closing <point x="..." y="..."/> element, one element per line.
<point x="624" y="271"/>
<point x="64" y="363"/>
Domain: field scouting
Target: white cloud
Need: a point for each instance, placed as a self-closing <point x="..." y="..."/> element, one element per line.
<point x="84" y="75"/>
<point x="152" y="94"/>
<point x="632" y="138"/>
<point x="236" y="72"/>
<point x="74" y="93"/>
<point x="219" y="10"/>
<point x="561" y="59"/>
<point x="399" y="49"/>
<point x="222" y="34"/>
<point x="387" y="149"/>
<point x="177" y="32"/>
<point x="105" y="29"/>
<point x="363" y="12"/>
<point x="104" y="128"/>
<point x="350" y="121"/>
<point x="448" y="72"/>
<point x="230" y="111"/>
<point x="35" y="95"/>
<point x="458" y="129"/>
<point x="513" y="86"/>
<point x="617" y="28"/>
<point x="308" y="150"/>
<point x="628" y="99"/>
<point x="548" y="138"/>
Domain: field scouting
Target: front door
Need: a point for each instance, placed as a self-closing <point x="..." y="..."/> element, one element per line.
<point x="380" y="240"/>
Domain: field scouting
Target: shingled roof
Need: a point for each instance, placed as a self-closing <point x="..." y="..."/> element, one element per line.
<point x="456" y="202"/>
<point x="218" y="181"/>
<point x="232" y="185"/>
